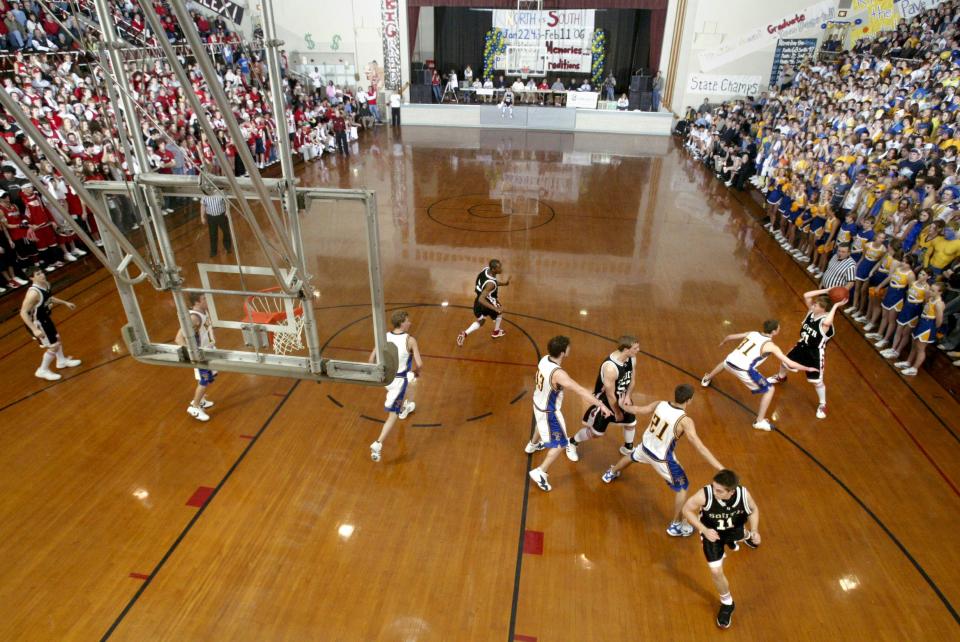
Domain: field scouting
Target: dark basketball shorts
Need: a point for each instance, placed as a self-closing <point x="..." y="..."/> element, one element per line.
<point x="811" y="358"/>
<point x="715" y="551"/>
<point x="483" y="311"/>
<point x="598" y="423"/>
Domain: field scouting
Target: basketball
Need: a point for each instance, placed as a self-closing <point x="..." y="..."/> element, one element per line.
<point x="838" y="294"/>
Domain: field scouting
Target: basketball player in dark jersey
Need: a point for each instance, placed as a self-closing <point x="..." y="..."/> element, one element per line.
<point x="487" y="302"/>
<point x="35" y="313"/>
<point x="817" y="329"/>
<point x="614" y="384"/>
<point x="719" y="512"/>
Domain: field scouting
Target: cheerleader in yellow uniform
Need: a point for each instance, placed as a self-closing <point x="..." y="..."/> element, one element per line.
<point x="926" y="331"/>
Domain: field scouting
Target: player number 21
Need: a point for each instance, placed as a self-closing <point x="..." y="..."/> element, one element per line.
<point x="656" y="423"/>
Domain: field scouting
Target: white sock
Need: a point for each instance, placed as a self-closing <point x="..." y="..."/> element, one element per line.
<point x="821" y="393"/>
<point x="583" y="435"/>
<point x="496" y="323"/>
<point x="628" y="435"/>
<point x="60" y="357"/>
<point x="48" y="358"/>
<point x="473" y="327"/>
<point x="726" y="598"/>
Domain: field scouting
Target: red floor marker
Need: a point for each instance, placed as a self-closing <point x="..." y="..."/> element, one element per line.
<point x="533" y="543"/>
<point x="140" y="576"/>
<point x="246" y="436"/>
<point x="524" y="638"/>
<point x="200" y="496"/>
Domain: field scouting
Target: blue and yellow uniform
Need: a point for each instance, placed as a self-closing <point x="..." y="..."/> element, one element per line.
<point x="774" y="196"/>
<point x="860" y="239"/>
<point x="871" y="255"/>
<point x="912" y="304"/>
<point x="845" y="235"/>
<point x="822" y="246"/>
<point x="883" y="271"/>
<point x="926" y="331"/>
<point x="816" y="221"/>
<point x="896" y="289"/>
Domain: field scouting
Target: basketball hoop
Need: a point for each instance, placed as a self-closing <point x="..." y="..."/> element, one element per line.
<point x="268" y="310"/>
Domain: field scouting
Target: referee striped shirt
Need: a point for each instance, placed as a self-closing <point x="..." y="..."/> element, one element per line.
<point x="214" y="205"/>
<point x="839" y="273"/>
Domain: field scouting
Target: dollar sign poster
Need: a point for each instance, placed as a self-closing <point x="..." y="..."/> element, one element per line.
<point x="390" y="16"/>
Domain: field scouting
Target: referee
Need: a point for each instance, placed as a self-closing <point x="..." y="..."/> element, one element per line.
<point x="840" y="270"/>
<point x="213" y="212"/>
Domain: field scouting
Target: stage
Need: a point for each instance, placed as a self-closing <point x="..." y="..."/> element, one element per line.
<point x="540" y="118"/>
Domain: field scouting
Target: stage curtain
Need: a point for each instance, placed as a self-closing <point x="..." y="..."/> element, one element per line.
<point x="547" y="5"/>
<point x="628" y="35"/>
<point x="658" y="23"/>
<point x="413" y="21"/>
<point x="459" y="39"/>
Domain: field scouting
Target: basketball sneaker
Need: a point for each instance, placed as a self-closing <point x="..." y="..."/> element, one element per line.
<point x="909" y="372"/>
<point x="375" y="449"/>
<point x="822" y="411"/>
<point x="197" y="413"/>
<point x="679" y="529"/>
<point x="811" y="269"/>
<point x="705" y="382"/>
<point x="461" y="338"/>
<point x="901" y="364"/>
<point x="869" y="330"/>
<point x="763" y="425"/>
<point x="876" y="336"/>
<point x="775" y="379"/>
<point x="882" y="343"/>
<point x="49" y="375"/>
<point x="890" y="353"/>
<point x="531" y="447"/>
<point x="571" y="451"/>
<point x="849" y="309"/>
<point x="69" y="362"/>
<point x="748" y="541"/>
<point x="610" y="475"/>
<point x="206" y="403"/>
<point x="540" y="478"/>
<point x="725" y="615"/>
<point x="496" y="334"/>
<point x="79" y="252"/>
<point x="408" y="407"/>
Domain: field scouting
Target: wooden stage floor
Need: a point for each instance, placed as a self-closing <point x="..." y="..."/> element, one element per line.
<point x="124" y="518"/>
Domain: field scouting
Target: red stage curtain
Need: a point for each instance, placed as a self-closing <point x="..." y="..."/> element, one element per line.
<point x="413" y="20"/>
<point x="658" y="23"/>
<point x="655" y="5"/>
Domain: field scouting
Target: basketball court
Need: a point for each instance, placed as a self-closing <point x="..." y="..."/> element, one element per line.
<point x="126" y="519"/>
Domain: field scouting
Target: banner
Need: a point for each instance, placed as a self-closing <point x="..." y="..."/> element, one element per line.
<point x="723" y="85"/>
<point x="790" y="53"/>
<point x="567" y="36"/>
<point x="390" y="17"/>
<point x="908" y="9"/>
<point x="229" y="10"/>
<point x="765" y="35"/>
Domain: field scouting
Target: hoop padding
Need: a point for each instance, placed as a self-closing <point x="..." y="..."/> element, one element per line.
<point x="267" y="310"/>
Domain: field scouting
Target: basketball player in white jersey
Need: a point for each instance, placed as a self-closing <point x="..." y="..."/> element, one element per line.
<point x="506" y="106"/>
<point x="815" y="331"/>
<point x="720" y="511"/>
<point x="203" y="335"/>
<point x="399" y="403"/>
<point x="487" y="301"/>
<point x="614" y="382"/>
<point x="668" y="423"/>
<point x="551" y="383"/>
<point x="35" y="313"/>
<point x="742" y="363"/>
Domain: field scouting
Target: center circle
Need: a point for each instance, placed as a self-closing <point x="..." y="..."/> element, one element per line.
<point x="486" y="213"/>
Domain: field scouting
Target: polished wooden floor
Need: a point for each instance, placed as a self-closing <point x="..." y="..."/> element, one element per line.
<point x="295" y="534"/>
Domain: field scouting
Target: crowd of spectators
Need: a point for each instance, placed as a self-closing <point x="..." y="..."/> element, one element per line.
<point x="856" y="156"/>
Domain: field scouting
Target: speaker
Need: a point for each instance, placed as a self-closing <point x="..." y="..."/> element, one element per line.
<point x="646" y="100"/>
<point x="425" y="76"/>
<point x="634" y="100"/>
<point x="640" y="83"/>
<point x="421" y="94"/>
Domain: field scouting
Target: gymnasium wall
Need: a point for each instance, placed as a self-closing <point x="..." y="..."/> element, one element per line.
<point x="712" y="27"/>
